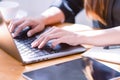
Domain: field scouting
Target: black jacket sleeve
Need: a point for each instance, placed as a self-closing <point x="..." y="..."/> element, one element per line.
<point x="70" y="8"/>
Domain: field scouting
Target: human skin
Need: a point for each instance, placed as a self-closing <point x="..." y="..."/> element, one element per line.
<point x="55" y="15"/>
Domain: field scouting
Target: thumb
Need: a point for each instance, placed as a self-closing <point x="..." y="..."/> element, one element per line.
<point x="31" y="32"/>
<point x="56" y="42"/>
<point x="34" y="30"/>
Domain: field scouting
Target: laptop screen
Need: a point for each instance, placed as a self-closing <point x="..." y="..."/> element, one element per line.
<point x="7" y="43"/>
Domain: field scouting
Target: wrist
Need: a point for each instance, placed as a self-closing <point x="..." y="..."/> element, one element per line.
<point x="83" y="38"/>
<point x="43" y="19"/>
<point x="52" y="16"/>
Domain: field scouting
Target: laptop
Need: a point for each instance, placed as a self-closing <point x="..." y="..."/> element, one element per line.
<point x="21" y="49"/>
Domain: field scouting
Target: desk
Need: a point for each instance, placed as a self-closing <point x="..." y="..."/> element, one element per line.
<point x="11" y="69"/>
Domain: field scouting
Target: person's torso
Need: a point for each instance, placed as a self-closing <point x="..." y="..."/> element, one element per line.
<point x="116" y="13"/>
<point x="113" y="15"/>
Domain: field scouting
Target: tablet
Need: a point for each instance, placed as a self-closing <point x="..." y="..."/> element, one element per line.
<point x="78" y="69"/>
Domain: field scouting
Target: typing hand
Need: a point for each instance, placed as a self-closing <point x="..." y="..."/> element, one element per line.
<point x="35" y="24"/>
<point x="58" y="36"/>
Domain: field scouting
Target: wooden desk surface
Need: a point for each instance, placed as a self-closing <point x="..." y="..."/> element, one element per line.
<point x="11" y="69"/>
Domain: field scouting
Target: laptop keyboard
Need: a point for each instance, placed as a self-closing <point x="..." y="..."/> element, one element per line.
<point x="27" y="52"/>
<point x="25" y="49"/>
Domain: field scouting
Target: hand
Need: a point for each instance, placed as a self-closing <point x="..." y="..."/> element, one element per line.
<point x="36" y="25"/>
<point x="57" y="35"/>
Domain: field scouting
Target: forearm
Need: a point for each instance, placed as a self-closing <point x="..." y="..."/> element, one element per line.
<point x="101" y="37"/>
<point x="53" y="15"/>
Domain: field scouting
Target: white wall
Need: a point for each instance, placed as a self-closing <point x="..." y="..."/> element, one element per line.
<point x="35" y="7"/>
<point x="83" y="19"/>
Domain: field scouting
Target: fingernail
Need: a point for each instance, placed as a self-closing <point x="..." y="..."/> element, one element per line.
<point x="13" y="35"/>
<point x="33" y="44"/>
<point x="29" y="34"/>
<point x="39" y="47"/>
<point x="10" y="29"/>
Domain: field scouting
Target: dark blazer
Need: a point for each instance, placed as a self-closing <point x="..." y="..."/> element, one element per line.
<point x="71" y="8"/>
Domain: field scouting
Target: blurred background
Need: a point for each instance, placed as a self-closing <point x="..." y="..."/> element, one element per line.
<point x="35" y="7"/>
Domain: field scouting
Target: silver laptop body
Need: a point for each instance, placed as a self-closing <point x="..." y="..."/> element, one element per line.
<point x="10" y="45"/>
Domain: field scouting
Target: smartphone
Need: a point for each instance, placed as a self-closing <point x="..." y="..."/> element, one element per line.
<point x="79" y="69"/>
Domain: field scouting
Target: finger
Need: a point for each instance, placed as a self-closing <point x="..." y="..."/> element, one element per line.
<point x="11" y="24"/>
<point x="39" y="39"/>
<point x="35" y="43"/>
<point x="21" y="27"/>
<point x="42" y="43"/>
<point x="51" y="31"/>
<point x="57" y="41"/>
<point x="44" y="36"/>
<point x="42" y="40"/>
<point x="46" y="32"/>
<point x="34" y="30"/>
<point x="47" y="38"/>
<point x="14" y="24"/>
